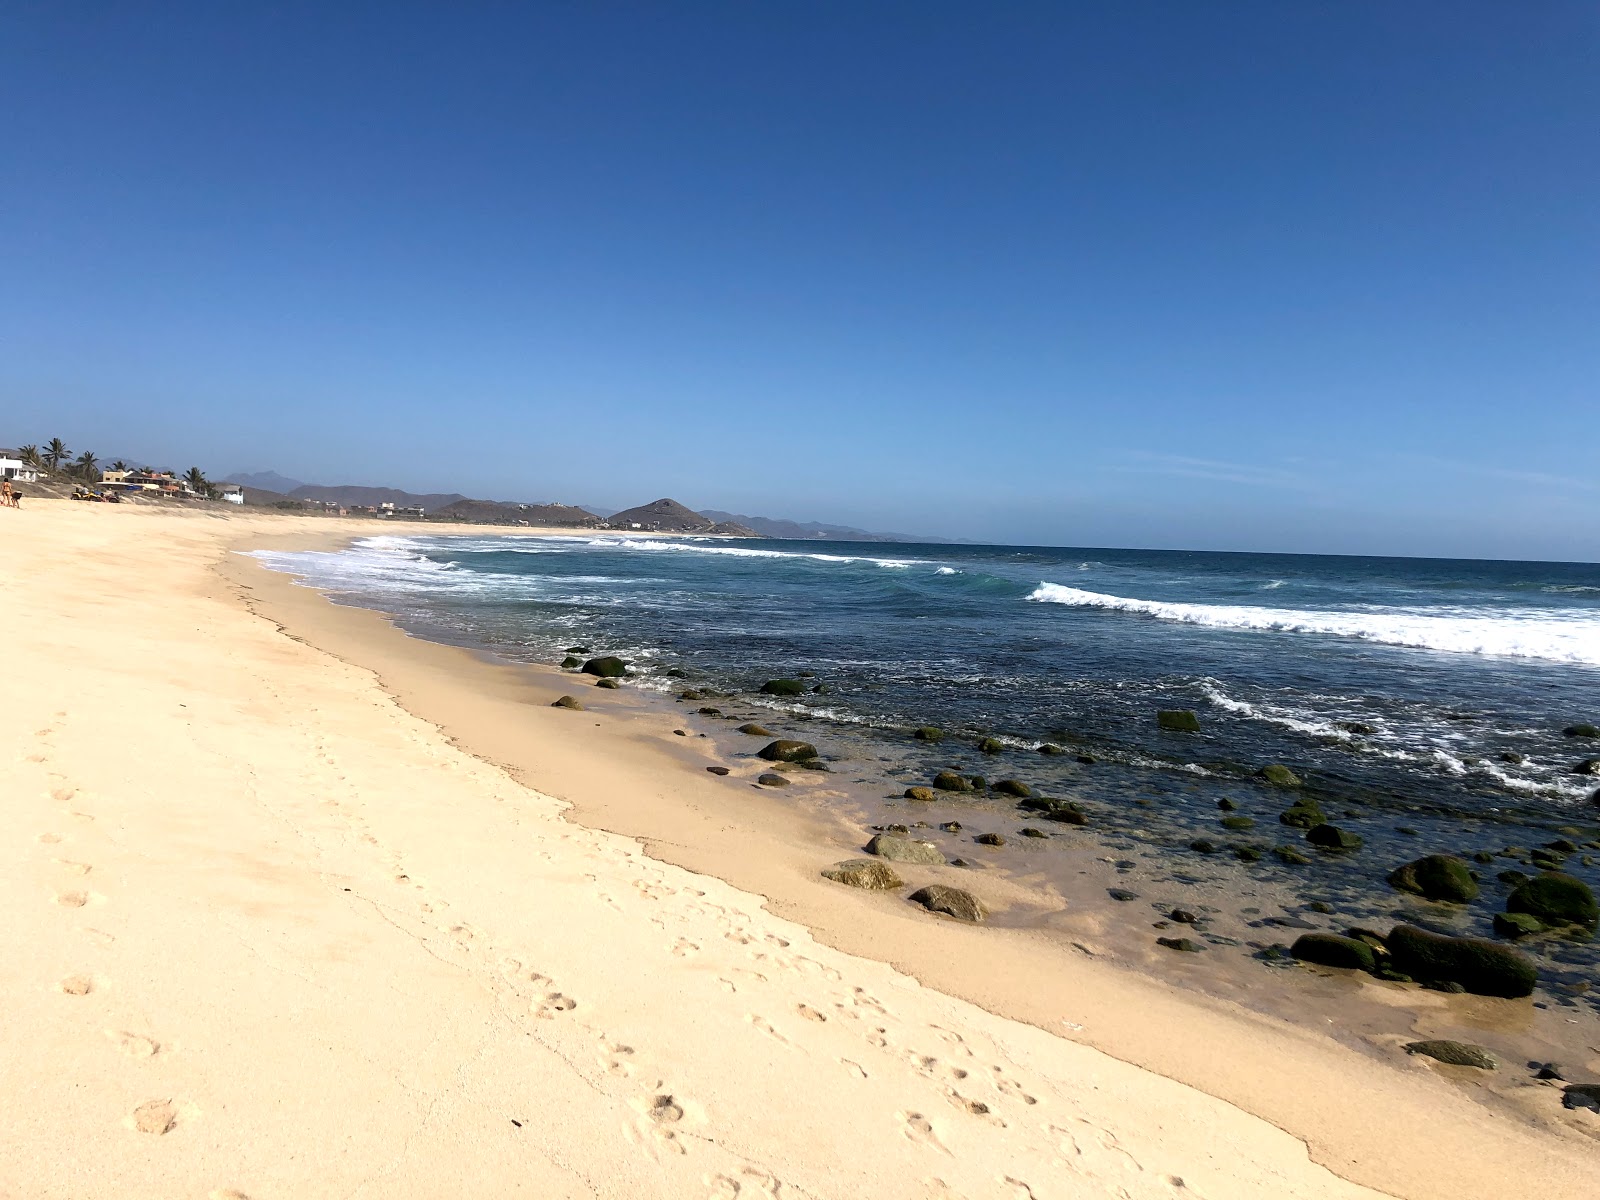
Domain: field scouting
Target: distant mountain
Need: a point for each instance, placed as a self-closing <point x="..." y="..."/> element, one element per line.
<point x="267" y="481"/>
<point x="809" y="530"/>
<point x="666" y="516"/>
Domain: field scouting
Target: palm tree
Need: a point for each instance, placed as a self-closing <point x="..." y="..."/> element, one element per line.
<point x="87" y="465"/>
<point x="196" y="479"/>
<point x="30" y="455"/>
<point x="55" y="452"/>
<point x="119" y="465"/>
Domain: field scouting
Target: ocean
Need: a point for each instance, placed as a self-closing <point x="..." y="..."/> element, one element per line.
<point x="1421" y="701"/>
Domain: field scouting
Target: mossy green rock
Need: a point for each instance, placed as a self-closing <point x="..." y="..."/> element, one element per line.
<point x="1303" y="814"/>
<point x="1331" y="950"/>
<point x="569" y="663"/>
<point x="952" y="902"/>
<point x="1582" y="730"/>
<point x="612" y="684"/>
<point x="1051" y="748"/>
<point x="568" y="702"/>
<point x="1291" y="856"/>
<point x="1456" y="1054"/>
<point x="897" y="848"/>
<point x="1064" y="811"/>
<point x="1436" y="877"/>
<point x="924" y="794"/>
<point x="755" y="730"/>
<point x="787" y="751"/>
<point x="1517" y="925"/>
<point x="1556" y="898"/>
<point x="949" y="781"/>
<point x="608" y="667"/>
<point x="1013" y="787"/>
<point x="1331" y="837"/>
<point x="989" y="839"/>
<point x="783" y="687"/>
<point x="1483" y="967"/>
<point x="1279" y="775"/>
<point x="929" y="734"/>
<point x="1178" y="720"/>
<point x="1238" y="823"/>
<point x="991" y="745"/>
<point x="871" y="874"/>
<point x="771" y="780"/>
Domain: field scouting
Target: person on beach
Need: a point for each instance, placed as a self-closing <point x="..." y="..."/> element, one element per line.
<point x="7" y="496"/>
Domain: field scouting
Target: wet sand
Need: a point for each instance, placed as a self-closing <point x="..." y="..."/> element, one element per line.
<point x="303" y="906"/>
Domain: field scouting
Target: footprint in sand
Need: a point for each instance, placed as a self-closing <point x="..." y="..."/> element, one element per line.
<point x="154" y="1116"/>
<point x="50" y="839"/>
<point x="683" y="948"/>
<point x="750" y="1182"/>
<point x="226" y="1194"/>
<point x="62" y="794"/>
<point x="661" y="1113"/>
<point x="809" y="1013"/>
<point x="919" y="1129"/>
<point x="72" y="899"/>
<point x="553" y="1005"/>
<point x="617" y="1058"/>
<point x="766" y="1027"/>
<point x="74" y="868"/>
<point x="77" y="985"/>
<point x="134" y="1045"/>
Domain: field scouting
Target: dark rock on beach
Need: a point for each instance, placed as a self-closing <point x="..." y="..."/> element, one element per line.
<point x="1051" y="748"/>
<point x="771" y="780"/>
<point x="1304" y="813"/>
<point x="929" y="734"/>
<point x="1581" y="1095"/>
<point x="1332" y="950"/>
<point x="1238" y="824"/>
<point x="783" y="750"/>
<point x="991" y="745"/>
<point x="1028" y="831"/>
<point x="717" y="770"/>
<point x="1331" y="837"/>
<point x="1186" y="945"/>
<point x="569" y="663"/>
<point x="783" y="687"/>
<point x="1581" y="730"/>
<point x="1436" y="877"/>
<point x="953" y="902"/>
<point x="608" y="683"/>
<point x="898" y="848"/>
<point x="989" y="839"/>
<point x="608" y="667"/>
<point x="1013" y="787"/>
<point x="949" y="781"/>
<point x="567" y="702"/>
<point x="1555" y="897"/>
<point x="1517" y="925"/>
<point x="1279" y="776"/>
<point x="1122" y="894"/>
<point x="1481" y="967"/>
<point x="1456" y="1054"/>
<point x="755" y="730"/>
<point x="869" y="873"/>
<point x="1064" y="811"/>
<point x="1178" y="720"/>
<point x="924" y="794"/>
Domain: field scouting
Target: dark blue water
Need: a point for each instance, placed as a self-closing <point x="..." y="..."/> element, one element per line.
<point x="1422" y="701"/>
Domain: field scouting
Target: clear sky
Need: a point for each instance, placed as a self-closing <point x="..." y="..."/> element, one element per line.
<point x="1250" y="274"/>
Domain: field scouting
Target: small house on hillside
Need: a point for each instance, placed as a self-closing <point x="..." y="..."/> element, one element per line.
<point x="230" y="492"/>
<point x="14" y="469"/>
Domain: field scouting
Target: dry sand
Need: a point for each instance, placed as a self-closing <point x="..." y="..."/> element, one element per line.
<point x="272" y="931"/>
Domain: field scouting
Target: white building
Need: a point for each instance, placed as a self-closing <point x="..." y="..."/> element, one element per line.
<point x="231" y="492"/>
<point x="13" y="468"/>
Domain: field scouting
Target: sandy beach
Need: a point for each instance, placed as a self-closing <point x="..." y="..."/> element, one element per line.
<point x="298" y="906"/>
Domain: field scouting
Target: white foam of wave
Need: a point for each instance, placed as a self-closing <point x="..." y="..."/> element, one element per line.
<point x="1286" y="718"/>
<point x="1272" y="584"/>
<point x="947" y="571"/>
<point x="1569" y="637"/>
<point x="653" y="544"/>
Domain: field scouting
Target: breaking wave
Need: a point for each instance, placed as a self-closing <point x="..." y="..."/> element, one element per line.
<point x="1566" y="637"/>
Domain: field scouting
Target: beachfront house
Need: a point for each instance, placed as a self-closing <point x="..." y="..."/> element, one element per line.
<point x="230" y="492"/>
<point x="14" y="469"/>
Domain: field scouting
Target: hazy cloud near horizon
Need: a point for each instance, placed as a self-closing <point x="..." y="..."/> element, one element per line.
<point x="1100" y="294"/>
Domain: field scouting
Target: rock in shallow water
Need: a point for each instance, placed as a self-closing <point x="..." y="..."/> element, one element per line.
<point x="1013" y="787"/>
<point x="783" y="750"/>
<point x="1480" y="966"/>
<point x="1331" y="837"/>
<point x="924" y="794"/>
<point x="718" y="770"/>
<point x="1556" y="897"/>
<point x="607" y="683"/>
<point x="1187" y="945"/>
<point x="949" y="781"/>
<point x="1279" y="775"/>
<point x="567" y="702"/>
<point x="869" y="873"/>
<point x="896" y="848"/>
<point x="1178" y="720"/>
<point x="1436" y="877"/>
<point x="608" y="667"/>
<point x="771" y="780"/>
<point x="783" y="687"/>
<point x="755" y="730"/>
<point x="953" y="902"/>
<point x="1456" y="1054"/>
<point x="1331" y="950"/>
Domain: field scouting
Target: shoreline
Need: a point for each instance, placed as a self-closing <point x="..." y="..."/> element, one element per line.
<point x="298" y="904"/>
<point x="774" y="844"/>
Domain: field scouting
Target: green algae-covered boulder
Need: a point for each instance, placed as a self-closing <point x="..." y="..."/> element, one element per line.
<point x="1186" y="945"/>
<point x="1582" y="730"/>
<point x="1238" y="824"/>
<point x="1304" y="813"/>
<point x="769" y="779"/>
<point x="1279" y="775"/>
<point x="608" y="667"/>
<point x="1556" y="897"/>
<point x="1291" y="856"/>
<point x="1051" y="748"/>
<point x="990" y="839"/>
<point x="1331" y="950"/>
<point x="1517" y="925"/>
<point x="609" y="683"/>
<point x="570" y="664"/>
<point x="870" y="873"/>
<point x="1013" y="787"/>
<point x="1177" y="720"/>
<point x="952" y="902"/>
<point x="1436" y="877"/>
<point x="787" y="751"/>
<point x="1331" y="837"/>
<point x="1457" y="1054"/>
<point x="991" y="745"/>
<point x="783" y="687"/>
<point x="1483" y="967"/>
<point x="1064" y="811"/>
<point x="755" y="730"/>
<point x="899" y="848"/>
<point x="924" y="794"/>
<point x="949" y="781"/>
<point x="568" y="702"/>
<point x="929" y="734"/>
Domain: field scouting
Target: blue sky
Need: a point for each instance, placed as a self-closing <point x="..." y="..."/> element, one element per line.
<point x="1236" y="275"/>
